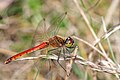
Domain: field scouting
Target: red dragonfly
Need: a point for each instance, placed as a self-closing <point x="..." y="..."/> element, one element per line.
<point x="55" y="41"/>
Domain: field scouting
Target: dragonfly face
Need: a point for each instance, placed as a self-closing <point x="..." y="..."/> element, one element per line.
<point x="69" y="42"/>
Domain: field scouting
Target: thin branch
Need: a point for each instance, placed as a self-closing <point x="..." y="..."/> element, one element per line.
<point x="103" y="66"/>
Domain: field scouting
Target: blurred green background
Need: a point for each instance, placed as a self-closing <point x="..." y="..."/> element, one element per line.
<point x="20" y="18"/>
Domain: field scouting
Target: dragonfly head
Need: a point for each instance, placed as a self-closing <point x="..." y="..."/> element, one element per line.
<point x="69" y="42"/>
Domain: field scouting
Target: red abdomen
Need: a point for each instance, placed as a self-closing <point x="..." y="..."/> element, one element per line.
<point x="41" y="46"/>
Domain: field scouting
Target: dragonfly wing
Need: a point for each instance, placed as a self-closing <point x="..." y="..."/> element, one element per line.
<point x="55" y="24"/>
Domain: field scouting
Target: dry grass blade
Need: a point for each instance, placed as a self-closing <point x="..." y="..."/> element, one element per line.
<point x="89" y="26"/>
<point x="112" y="10"/>
<point x="104" y="26"/>
<point x="5" y="51"/>
<point x="92" y="46"/>
<point x="108" y="34"/>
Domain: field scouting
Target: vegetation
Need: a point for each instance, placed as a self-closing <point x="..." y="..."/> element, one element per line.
<point x="93" y="24"/>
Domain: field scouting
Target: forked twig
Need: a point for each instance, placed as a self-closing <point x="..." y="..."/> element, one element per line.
<point x="70" y="62"/>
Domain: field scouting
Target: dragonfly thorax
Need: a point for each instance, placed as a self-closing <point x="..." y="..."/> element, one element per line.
<point x="56" y="41"/>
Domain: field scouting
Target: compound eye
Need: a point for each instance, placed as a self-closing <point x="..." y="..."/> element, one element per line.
<point x="69" y="42"/>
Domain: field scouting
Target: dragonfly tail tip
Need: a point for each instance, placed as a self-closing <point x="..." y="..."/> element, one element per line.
<point x="7" y="61"/>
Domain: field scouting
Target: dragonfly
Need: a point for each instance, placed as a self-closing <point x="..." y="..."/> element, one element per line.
<point x="55" y="41"/>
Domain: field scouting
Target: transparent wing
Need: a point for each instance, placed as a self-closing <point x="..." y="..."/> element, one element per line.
<point x="44" y="31"/>
<point x="55" y="24"/>
<point x="40" y="32"/>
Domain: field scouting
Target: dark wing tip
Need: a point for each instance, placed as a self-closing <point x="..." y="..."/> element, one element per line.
<point x="44" y="19"/>
<point x="66" y="13"/>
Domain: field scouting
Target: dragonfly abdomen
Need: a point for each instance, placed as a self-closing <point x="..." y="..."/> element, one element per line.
<point x="41" y="46"/>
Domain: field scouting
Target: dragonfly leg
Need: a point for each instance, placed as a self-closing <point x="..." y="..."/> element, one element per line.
<point x="53" y="63"/>
<point x="58" y="57"/>
<point x="52" y="50"/>
<point x="51" y="59"/>
<point x="64" y="54"/>
<point x="59" y="62"/>
<point x="70" y="51"/>
<point x="50" y="65"/>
